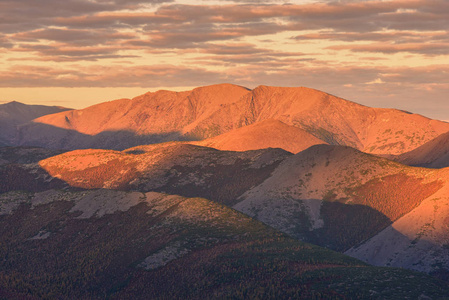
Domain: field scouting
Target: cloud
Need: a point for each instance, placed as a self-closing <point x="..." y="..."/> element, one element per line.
<point x="72" y="36"/>
<point x="388" y="48"/>
<point x="293" y="74"/>
<point x="5" y="43"/>
<point x="376" y="81"/>
<point x="175" y="26"/>
<point x="379" y="36"/>
<point x="71" y="44"/>
<point x="62" y="52"/>
<point x="16" y="15"/>
<point x="343" y="47"/>
<point x="246" y="54"/>
<point x="107" y="76"/>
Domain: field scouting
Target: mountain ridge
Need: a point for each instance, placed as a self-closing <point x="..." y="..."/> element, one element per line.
<point x="14" y="114"/>
<point x="329" y="195"/>
<point x="206" y="112"/>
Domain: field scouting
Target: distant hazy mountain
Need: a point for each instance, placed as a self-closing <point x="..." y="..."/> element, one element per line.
<point x="209" y="111"/>
<point x="131" y="245"/>
<point x="14" y="113"/>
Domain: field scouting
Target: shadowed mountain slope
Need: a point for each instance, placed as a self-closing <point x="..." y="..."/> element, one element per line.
<point x="213" y="110"/>
<point x="19" y="170"/>
<point x="25" y="155"/>
<point x="174" y="167"/>
<point x="160" y="116"/>
<point x="337" y="196"/>
<point x="265" y="134"/>
<point x="27" y="177"/>
<point x="433" y="154"/>
<point x="112" y="244"/>
<point x="14" y="113"/>
<point x="419" y="240"/>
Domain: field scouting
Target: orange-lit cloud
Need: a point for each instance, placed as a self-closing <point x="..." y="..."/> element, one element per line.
<point x="423" y="48"/>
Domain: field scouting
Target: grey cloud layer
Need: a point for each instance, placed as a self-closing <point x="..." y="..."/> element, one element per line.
<point x="183" y="26"/>
<point x="75" y="31"/>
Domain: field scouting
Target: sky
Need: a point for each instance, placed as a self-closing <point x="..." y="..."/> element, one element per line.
<point x="75" y="53"/>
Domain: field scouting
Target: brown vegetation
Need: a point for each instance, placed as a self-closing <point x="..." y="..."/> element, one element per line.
<point x="394" y="195"/>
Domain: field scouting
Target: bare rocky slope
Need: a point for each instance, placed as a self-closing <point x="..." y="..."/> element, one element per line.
<point x="332" y="196"/>
<point x="129" y="245"/>
<point x="339" y="198"/>
<point x="14" y="114"/>
<point x="433" y="154"/>
<point x="209" y="111"/>
<point x="419" y="240"/>
<point x="338" y="195"/>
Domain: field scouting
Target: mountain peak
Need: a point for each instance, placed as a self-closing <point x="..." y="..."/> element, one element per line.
<point x="223" y="86"/>
<point x="268" y="133"/>
<point x="12" y="104"/>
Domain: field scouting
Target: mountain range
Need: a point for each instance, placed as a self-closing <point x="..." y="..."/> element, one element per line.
<point x="207" y="112"/>
<point x="332" y="196"/>
<point x="260" y="193"/>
